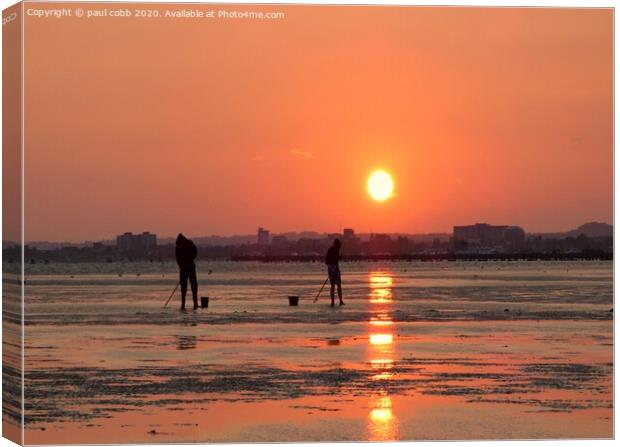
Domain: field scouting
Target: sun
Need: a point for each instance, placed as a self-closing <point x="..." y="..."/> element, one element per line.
<point x="380" y="185"/>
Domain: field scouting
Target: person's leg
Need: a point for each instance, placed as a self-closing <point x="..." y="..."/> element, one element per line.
<point x="194" y="283"/>
<point x="183" y="281"/>
<point x="339" y="282"/>
<point x="332" y="283"/>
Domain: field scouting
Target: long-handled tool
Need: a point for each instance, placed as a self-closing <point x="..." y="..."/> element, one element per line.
<point x="322" y="287"/>
<point x="175" y="289"/>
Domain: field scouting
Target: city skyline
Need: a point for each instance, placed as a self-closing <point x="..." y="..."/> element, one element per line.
<point x="480" y="241"/>
<point x="478" y="114"/>
<point x="307" y="232"/>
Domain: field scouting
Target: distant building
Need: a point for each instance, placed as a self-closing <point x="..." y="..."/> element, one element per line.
<point x="481" y="234"/>
<point x="351" y="244"/>
<point x="486" y="235"/>
<point x="514" y="238"/>
<point x="136" y="244"/>
<point x="402" y="246"/>
<point x="349" y="237"/>
<point x="279" y="241"/>
<point x="98" y="247"/>
<point x="379" y="244"/>
<point x="348" y="233"/>
<point x="263" y="236"/>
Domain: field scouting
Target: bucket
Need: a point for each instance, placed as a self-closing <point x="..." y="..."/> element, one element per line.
<point x="293" y="300"/>
<point x="204" y="302"/>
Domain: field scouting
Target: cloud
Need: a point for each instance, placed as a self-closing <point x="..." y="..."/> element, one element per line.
<point x="301" y="154"/>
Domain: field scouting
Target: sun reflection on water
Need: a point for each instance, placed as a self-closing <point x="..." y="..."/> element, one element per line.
<point x="379" y="279"/>
<point x="382" y="411"/>
<point x="376" y="322"/>
<point x="381" y="339"/>
<point x="382" y="423"/>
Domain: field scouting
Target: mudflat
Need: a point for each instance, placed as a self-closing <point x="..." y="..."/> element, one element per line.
<point x="442" y="350"/>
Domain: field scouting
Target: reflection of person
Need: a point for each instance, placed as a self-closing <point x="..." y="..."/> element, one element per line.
<point x="186" y="253"/>
<point x="333" y="271"/>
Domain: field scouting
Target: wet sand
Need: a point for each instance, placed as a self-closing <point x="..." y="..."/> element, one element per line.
<point x="421" y="351"/>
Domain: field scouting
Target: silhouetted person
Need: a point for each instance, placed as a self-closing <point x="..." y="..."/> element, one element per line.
<point x="186" y="253"/>
<point x="333" y="271"/>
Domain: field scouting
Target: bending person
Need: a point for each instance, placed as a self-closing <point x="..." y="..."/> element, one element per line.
<point x="333" y="270"/>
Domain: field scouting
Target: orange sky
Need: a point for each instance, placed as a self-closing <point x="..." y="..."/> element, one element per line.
<point x="221" y="126"/>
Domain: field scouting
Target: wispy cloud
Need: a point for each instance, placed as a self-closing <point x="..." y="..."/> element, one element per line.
<point x="301" y="154"/>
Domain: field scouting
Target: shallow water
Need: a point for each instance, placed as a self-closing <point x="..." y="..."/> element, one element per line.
<point x="420" y="351"/>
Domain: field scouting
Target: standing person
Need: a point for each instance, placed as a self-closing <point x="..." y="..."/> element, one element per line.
<point x="333" y="271"/>
<point x="186" y="253"/>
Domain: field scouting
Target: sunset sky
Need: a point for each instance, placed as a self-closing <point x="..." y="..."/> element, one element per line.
<point x="221" y="126"/>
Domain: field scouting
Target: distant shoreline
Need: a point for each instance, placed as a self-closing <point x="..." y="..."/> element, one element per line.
<point x="598" y="256"/>
<point x="317" y="258"/>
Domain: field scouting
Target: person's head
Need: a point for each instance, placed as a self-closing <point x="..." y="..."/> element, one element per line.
<point x="337" y="243"/>
<point x="180" y="238"/>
